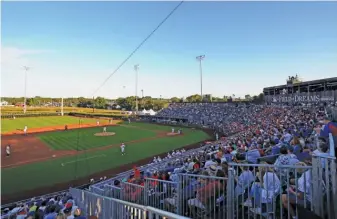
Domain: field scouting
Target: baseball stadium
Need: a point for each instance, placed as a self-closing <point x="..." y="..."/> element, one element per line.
<point x="75" y="148"/>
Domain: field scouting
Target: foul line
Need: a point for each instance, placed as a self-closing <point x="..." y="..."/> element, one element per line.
<point x="87" y="158"/>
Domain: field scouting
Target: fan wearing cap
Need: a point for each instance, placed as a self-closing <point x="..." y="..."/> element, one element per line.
<point x="68" y="209"/>
<point x="67" y="212"/>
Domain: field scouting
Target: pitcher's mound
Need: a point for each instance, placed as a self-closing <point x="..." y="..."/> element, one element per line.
<point x="172" y="134"/>
<point x="105" y="134"/>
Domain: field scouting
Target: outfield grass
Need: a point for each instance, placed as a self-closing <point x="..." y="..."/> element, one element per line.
<point x="8" y="125"/>
<point x="50" y="172"/>
<point x="82" y="139"/>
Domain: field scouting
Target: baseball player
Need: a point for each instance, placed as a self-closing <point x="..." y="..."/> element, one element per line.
<point x="8" y="150"/>
<point x="25" y="129"/>
<point x="129" y="120"/>
<point x="104" y="129"/>
<point x="123" y="149"/>
<point x="172" y="130"/>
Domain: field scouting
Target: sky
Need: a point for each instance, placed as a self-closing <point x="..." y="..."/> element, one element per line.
<point x="72" y="47"/>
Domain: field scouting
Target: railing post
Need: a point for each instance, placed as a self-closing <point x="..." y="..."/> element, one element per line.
<point x="230" y="194"/>
<point x="334" y="187"/>
<point x="315" y="185"/>
<point x="146" y="192"/>
<point x="179" y="195"/>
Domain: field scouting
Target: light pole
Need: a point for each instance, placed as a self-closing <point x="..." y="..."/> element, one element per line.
<point x="142" y="98"/>
<point x="200" y="58"/>
<point x="136" y="67"/>
<point x="25" y="98"/>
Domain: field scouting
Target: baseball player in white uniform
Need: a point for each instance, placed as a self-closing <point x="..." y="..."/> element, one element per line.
<point x="104" y="129"/>
<point x="8" y="150"/>
<point x="172" y="130"/>
<point x="25" y="129"/>
<point x="123" y="149"/>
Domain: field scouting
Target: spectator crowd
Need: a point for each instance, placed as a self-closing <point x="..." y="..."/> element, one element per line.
<point x="61" y="206"/>
<point x="263" y="141"/>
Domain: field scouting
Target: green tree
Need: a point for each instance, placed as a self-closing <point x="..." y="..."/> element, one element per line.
<point x="175" y="100"/>
<point x="248" y="97"/>
<point x="194" y="98"/>
<point x="100" y="103"/>
<point x="31" y="102"/>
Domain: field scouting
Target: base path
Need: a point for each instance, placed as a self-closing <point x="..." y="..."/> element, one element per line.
<point x="28" y="149"/>
<point x="59" y="128"/>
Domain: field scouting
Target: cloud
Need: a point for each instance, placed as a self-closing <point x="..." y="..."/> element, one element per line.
<point x="12" y="57"/>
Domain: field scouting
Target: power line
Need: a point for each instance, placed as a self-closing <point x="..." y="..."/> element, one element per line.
<point x="138" y="47"/>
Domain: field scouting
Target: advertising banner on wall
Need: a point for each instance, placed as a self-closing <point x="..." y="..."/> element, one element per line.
<point x="300" y="98"/>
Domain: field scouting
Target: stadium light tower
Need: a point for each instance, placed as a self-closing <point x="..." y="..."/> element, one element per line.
<point x="199" y="59"/>
<point x="25" y="98"/>
<point x="142" y="98"/>
<point x="136" y="67"/>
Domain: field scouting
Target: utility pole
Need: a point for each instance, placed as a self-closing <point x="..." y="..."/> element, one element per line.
<point x="136" y="67"/>
<point x="25" y="98"/>
<point x="200" y="58"/>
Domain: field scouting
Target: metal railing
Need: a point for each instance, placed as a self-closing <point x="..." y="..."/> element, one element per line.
<point x="249" y="190"/>
<point x="109" y="208"/>
<point x="260" y="190"/>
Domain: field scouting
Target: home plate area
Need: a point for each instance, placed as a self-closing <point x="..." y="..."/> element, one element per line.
<point x="105" y="134"/>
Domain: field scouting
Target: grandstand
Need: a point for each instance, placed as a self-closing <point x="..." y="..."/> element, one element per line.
<point x="296" y="91"/>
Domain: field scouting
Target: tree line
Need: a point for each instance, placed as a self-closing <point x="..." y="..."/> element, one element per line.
<point x="127" y="103"/>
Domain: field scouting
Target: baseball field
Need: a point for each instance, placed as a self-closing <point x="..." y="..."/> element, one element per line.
<point x="49" y="156"/>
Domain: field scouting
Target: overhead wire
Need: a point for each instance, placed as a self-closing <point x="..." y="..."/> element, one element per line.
<point x="138" y="47"/>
